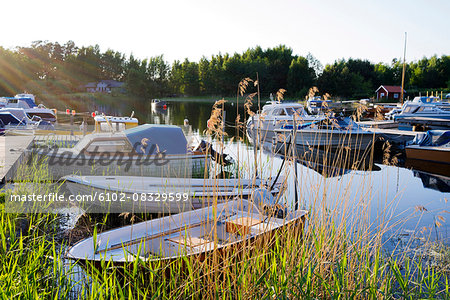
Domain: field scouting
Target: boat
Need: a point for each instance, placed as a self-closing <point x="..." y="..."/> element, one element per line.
<point x="433" y="146"/>
<point x="27" y="102"/>
<point x="261" y="127"/>
<point x="424" y="107"/>
<point x="114" y="124"/>
<point x="331" y="133"/>
<point x="18" y="119"/>
<point x="194" y="234"/>
<point x="145" y="150"/>
<point x="156" y="103"/>
<point x="163" y="195"/>
<point x="316" y="105"/>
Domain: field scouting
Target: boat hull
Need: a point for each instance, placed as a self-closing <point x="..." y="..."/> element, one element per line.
<point x="328" y="138"/>
<point x="190" y="234"/>
<point x="264" y="131"/>
<point x="429" y="153"/>
<point x="136" y="194"/>
<point x="171" y="166"/>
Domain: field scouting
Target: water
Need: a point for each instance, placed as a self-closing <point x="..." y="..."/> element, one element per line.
<point x="413" y="195"/>
<point x="407" y="201"/>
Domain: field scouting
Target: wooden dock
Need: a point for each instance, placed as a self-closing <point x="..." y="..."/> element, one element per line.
<point x="12" y="154"/>
<point x="13" y="150"/>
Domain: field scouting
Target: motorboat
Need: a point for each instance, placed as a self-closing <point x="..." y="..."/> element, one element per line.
<point x="156" y="103"/>
<point x="26" y="95"/>
<point x="114" y="124"/>
<point x="27" y="102"/>
<point x="145" y="150"/>
<point x="433" y="146"/>
<point x="163" y="195"/>
<point x="18" y="119"/>
<point x="425" y="107"/>
<point x="331" y="133"/>
<point x="193" y="234"/>
<point x="274" y="115"/>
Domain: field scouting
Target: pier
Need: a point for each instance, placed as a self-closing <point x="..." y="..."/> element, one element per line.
<point x="12" y="154"/>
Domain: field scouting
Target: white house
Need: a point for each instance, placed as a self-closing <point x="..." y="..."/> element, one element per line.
<point x="104" y="86"/>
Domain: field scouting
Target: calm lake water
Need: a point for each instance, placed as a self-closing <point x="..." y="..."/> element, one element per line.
<point x="405" y="199"/>
<point x="413" y="195"/>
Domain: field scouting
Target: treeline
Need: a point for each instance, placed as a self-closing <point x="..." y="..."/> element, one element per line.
<point x="55" y="68"/>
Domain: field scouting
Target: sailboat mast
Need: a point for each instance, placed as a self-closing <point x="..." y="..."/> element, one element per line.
<point x="403" y="73"/>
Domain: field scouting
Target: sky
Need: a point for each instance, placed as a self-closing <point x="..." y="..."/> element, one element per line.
<point x="179" y="29"/>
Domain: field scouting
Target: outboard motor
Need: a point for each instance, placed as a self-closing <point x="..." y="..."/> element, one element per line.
<point x="265" y="200"/>
<point x="220" y="158"/>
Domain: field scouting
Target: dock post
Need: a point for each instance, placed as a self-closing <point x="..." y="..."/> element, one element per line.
<point x="294" y="158"/>
<point x="255" y="154"/>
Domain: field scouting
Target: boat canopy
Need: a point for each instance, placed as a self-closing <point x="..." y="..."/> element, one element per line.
<point x="168" y="139"/>
<point x="20" y="102"/>
<point x="8" y="118"/>
<point x="19" y="113"/>
<point x="432" y="138"/>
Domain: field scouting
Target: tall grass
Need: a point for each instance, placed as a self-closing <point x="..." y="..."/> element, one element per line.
<point x="339" y="255"/>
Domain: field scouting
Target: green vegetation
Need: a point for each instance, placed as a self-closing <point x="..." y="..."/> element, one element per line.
<point x="339" y="255"/>
<point x="47" y="68"/>
<point x="325" y="262"/>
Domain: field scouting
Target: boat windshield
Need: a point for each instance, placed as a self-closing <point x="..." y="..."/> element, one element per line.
<point x="292" y="110"/>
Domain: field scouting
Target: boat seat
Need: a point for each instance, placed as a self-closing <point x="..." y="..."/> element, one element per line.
<point x="193" y="243"/>
<point x="249" y="225"/>
<point x="241" y="225"/>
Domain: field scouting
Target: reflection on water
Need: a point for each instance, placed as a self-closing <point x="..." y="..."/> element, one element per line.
<point x="435" y="182"/>
<point x="394" y="192"/>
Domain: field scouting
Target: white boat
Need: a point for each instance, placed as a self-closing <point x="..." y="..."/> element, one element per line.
<point x="432" y="146"/>
<point x="158" y="103"/>
<point x="425" y="107"/>
<point x="162" y="195"/>
<point x="334" y="133"/>
<point x="114" y="124"/>
<point x="27" y="102"/>
<point x="26" y="95"/>
<point x="189" y="234"/>
<point x="145" y="150"/>
<point x="274" y="116"/>
<point x="18" y="119"/>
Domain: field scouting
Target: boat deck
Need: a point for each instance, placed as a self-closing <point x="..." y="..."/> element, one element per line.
<point x="395" y="136"/>
<point x="384" y="124"/>
<point x="432" y="123"/>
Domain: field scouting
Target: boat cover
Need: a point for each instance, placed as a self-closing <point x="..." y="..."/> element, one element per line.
<point x="169" y="139"/>
<point x="8" y="118"/>
<point x="432" y="138"/>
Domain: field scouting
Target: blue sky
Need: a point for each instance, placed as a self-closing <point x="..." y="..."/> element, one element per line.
<point x="329" y="30"/>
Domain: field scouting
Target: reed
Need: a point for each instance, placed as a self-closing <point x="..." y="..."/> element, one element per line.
<point x="339" y="255"/>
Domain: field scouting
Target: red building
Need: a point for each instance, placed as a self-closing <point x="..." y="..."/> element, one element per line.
<point x="391" y="92"/>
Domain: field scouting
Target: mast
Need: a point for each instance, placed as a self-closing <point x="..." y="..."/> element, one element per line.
<point x="403" y="73"/>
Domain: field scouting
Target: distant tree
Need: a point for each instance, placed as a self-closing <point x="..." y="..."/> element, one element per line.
<point x="300" y="77"/>
<point x="191" y="83"/>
